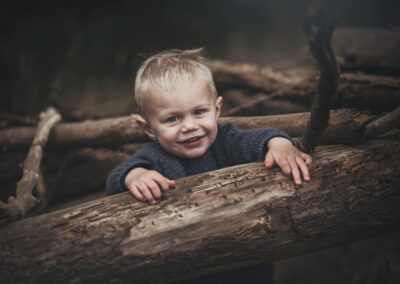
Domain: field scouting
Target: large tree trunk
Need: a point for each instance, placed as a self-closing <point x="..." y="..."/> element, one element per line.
<point x="213" y="221"/>
<point x="345" y="126"/>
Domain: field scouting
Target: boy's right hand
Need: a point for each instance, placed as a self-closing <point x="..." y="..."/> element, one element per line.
<point x="147" y="185"/>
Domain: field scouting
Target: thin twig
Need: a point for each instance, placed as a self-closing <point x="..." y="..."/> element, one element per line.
<point x="319" y="27"/>
<point x="24" y="201"/>
<point x="383" y="124"/>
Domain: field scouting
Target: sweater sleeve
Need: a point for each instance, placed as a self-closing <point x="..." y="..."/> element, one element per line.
<point x="116" y="179"/>
<point x="245" y="146"/>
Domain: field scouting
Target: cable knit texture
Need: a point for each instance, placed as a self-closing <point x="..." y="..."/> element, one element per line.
<point x="231" y="147"/>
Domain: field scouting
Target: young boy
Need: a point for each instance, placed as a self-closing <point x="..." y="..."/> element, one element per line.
<point x="179" y="107"/>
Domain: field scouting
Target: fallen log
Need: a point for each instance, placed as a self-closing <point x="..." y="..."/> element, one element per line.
<point x="381" y="56"/>
<point x="83" y="170"/>
<point x="78" y="134"/>
<point x="214" y="221"/>
<point x="347" y="125"/>
<point x="376" y="93"/>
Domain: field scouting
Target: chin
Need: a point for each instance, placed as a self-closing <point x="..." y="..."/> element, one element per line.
<point x="193" y="154"/>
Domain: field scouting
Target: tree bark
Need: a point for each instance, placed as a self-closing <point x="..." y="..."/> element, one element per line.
<point x="214" y="221"/>
<point x="124" y="130"/>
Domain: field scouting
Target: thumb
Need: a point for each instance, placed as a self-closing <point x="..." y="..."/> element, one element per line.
<point x="269" y="160"/>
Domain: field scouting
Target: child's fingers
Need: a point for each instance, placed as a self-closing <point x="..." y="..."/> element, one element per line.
<point x="295" y="172"/>
<point x="136" y="193"/>
<point x="303" y="168"/>
<point x="145" y="191"/>
<point x="284" y="165"/>
<point x="307" y="158"/>
<point x="163" y="182"/>
<point x="269" y="160"/>
<point x="154" y="188"/>
<point x="171" y="182"/>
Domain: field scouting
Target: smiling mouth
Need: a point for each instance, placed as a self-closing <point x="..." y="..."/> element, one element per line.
<point x="192" y="141"/>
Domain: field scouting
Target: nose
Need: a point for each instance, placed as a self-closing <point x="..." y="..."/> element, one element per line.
<point x="189" y="124"/>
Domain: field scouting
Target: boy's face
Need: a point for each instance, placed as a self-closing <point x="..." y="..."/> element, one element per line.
<point x="183" y="121"/>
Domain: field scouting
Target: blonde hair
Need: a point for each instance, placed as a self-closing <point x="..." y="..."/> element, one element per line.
<point x="168" y="70"/>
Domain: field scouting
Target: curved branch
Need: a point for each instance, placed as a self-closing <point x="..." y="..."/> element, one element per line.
<point x="319" y="27"/>
<point x="24" y="200"/>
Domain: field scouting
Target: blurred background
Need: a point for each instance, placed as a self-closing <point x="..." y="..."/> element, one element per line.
<point x="83" y="55"/>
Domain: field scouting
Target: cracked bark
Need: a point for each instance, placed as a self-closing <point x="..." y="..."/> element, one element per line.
<point x="248" y="214"/>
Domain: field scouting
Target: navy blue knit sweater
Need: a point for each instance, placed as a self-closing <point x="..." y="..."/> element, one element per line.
<point x="232" y="146"/>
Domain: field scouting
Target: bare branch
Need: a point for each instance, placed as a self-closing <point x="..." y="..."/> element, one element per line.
<point x="24" y="201"/>
<point x="319" y="27"/>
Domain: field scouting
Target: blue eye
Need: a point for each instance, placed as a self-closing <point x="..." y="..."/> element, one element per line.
<point x="199" y="111"/>
<point x="172" y="119"/>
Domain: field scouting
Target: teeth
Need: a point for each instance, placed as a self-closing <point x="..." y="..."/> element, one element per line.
<point x="192" y="139"/>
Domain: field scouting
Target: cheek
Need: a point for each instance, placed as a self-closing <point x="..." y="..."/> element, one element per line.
<point x="210" y="124"/>
<point x="167" y="134"/>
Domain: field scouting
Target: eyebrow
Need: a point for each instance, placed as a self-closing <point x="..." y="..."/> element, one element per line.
<point x="202" y="105"/>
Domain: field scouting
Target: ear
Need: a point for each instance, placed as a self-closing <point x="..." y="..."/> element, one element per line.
<point x="145" y="126"/>
<point x="218" y="106"/>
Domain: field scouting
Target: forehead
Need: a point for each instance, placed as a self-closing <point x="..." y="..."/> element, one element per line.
<point x="188" y="92"/>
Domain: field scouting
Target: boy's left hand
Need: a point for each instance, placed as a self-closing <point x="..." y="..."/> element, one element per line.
<point x="290" y="159"/>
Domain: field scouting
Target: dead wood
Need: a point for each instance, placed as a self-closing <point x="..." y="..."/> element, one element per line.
<point x="376" y="93"/>
<point x="247" y="76"/>
<point x="25" y="201"/>
<point x="124" y="130"/>
<point x="373" y="50"/>
<point x="214" y="221"/>
<point x="383" y="124"/>
<point x="84" y="170"/>
<point x="319" y="27"/>
<point x="254" y="101"/>
<point x="41" y="192"/>
<point x="103" y="132"/>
